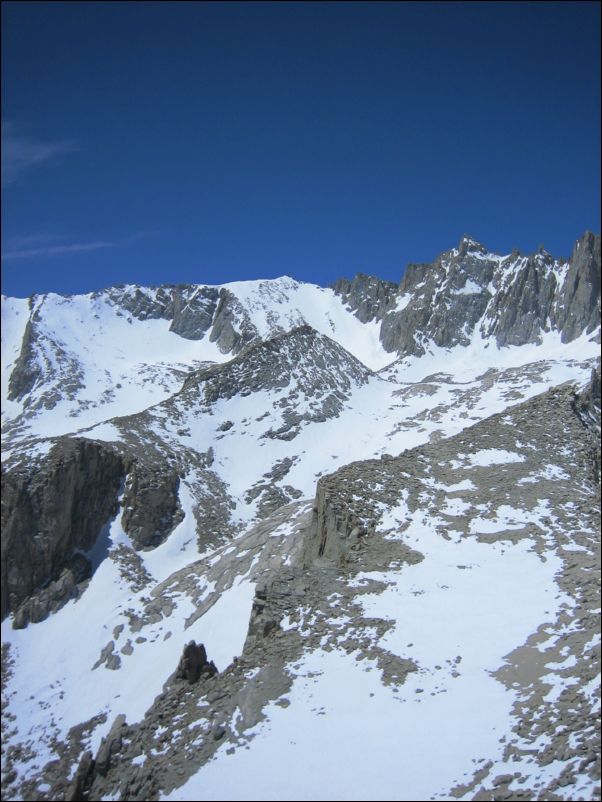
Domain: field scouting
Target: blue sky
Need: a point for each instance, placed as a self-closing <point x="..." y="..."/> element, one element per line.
<point x="210" y="142"/>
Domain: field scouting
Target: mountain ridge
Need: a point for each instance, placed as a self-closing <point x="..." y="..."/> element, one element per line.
<point x="250" y="467"/>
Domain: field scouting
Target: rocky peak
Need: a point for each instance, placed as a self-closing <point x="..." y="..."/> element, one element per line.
<point x="544" y="257"/>
<point x="578" y="299"/>
<point x="589" y="242"/>
<point x="514" y="298"/>
<point x="468" y="245"/>
<point x="311" y="359"/>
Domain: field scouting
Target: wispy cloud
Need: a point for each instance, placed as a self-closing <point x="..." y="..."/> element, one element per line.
<point x="20" y="153"/>
<point x="40" y="245"/>
<point x="53" y="250"/>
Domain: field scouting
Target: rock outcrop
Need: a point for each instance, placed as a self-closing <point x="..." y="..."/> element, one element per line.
<point x="51" y="598"/>
<point x="110" y="746"/>
<point x="51" y="509"/>
<point x="369" y="297"/>
<point x="151" y="508"/>
<point x="523" y="307"/>
<point x="143" y="303"/>
<point x="194" y="663"/>
<point x="578" y="302"/>
<point x="26" y="370"/>
<point x="232" y="329"/>
<point x="322" y="371"/>
<point x="193" y="311"/>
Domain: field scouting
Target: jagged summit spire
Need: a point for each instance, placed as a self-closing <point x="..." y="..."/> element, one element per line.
<point x="468" y="244"/>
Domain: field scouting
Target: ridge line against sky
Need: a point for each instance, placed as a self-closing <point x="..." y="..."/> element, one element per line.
<point x="166" y="143"/>
<point x="75" y="248"/>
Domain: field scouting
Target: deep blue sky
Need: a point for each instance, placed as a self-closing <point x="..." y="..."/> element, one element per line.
<point x="192" y="142"/>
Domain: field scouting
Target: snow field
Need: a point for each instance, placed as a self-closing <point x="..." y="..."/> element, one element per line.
<point x="347" y="736"/>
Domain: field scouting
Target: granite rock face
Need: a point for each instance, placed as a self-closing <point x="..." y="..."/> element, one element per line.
<point x="367" y="296"/>
<point x="53" y="596"/>
<point x="52" y="508"/>
<point x="189" y="308"/>
<point x="140" y="302"/>
<point x="26" y="371"/>
<point x="468" y="290"/>
<point x="150" y="501"/>
<point x="232" y="329"/>
<point x="111" y="745"/>
<point x="590" y="398"/>
<point x="440" y="303"/>
<point x="193" y="311"/>
<point x="194" y="662"/>
<point x="523" y="307"/>
<point x="57" y="507"/>
<point x="578" y="302"/>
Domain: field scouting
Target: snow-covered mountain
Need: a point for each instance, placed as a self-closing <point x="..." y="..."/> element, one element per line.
<point x="374" y="504"/>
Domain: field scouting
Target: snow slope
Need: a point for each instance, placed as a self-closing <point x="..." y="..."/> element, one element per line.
<point x="345" y="735"/>
<point x="112" y="363"/>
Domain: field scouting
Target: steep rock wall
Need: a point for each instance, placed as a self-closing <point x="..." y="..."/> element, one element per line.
<point x="53" y="508"/>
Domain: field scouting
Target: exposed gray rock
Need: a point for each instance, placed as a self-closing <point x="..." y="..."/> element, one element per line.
<point x="367" y="296"/>
<point x="522" y="307"/>
<point x="335" y="528"/>
<point x="402" y="328"/>
<point x="193" y="311"/>
<point x="108" y="657"/>
<point x="82" y="781"/>
<point x="194" y="663"/>
<point x="26" y="370"/>
<point x="68" y="586"/>
<point x="110" y="746"/>
<point x="578" y="302"/>
<point x="232" y="328"/>
<point x="51" y="509"/>
<point x="325" y="368"/>
<point x="272" y="495"/>
<point x="143" y="303"/>
<point x="513" y="299"/>
<point x="131" y="567"/>
<point x="151" y="506"/>
<point x="43" y="365"/>
<point x="441" y="302"/>
<point x="588" y="402"/>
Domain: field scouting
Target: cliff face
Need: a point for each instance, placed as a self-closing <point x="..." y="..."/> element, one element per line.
<point x="55" y="508"/>
<point x="468" y="289"/>
<point x="578" y="303"/>
<point x="151" y="506"/>
<point x="368" y="296"/>
<point x="26" y="371"/>
<point x="51" y="509"/>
